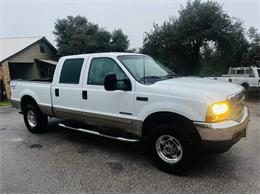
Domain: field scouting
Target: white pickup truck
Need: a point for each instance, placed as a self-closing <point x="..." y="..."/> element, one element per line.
<point x="248" y="77"/>
<point x="131" y="97"/>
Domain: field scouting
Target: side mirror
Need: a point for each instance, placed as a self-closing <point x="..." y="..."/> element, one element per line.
<point x="110" y="82"/>
<point x="127" y="83"/>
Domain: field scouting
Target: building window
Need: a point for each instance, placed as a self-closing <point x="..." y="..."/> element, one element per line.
<point x="42" y="47"/>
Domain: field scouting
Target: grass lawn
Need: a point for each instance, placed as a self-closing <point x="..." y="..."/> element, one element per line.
<point x="5" y="103"/>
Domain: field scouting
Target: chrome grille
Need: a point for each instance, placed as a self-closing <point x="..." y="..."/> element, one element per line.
<point x="237" y="104"/>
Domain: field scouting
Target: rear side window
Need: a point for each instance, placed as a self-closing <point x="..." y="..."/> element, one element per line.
<point x="232" y="71"/>
<point x="240" y="71"/>
<point x="71" y="70"/>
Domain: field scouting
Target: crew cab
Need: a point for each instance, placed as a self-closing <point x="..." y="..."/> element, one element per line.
<point x="248" y="77"/>
<point x="131" y="97"/>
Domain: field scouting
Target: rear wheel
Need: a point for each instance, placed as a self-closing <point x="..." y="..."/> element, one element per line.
<point x="34" y="120"/>
<point x="172" y="149"/>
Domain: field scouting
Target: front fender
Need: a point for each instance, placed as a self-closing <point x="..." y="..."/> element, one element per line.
<point x="194" y="113"/>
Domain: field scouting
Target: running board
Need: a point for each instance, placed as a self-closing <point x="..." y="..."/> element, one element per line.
<point x="99" y="134"/>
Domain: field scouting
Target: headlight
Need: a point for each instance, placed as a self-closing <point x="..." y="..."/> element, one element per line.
<point x="218" y="111"/>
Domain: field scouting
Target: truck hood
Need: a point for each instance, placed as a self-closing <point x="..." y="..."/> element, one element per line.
<point x="215" y="90"/>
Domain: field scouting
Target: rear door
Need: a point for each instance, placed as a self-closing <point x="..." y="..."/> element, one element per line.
<point x="66" y="90"/>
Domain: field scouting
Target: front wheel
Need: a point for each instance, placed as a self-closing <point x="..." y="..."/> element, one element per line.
<point x="34" y="120"/>
<point x="172" y="149"/>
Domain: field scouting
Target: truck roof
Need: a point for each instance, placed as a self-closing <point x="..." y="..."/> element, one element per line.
<point x="245" y="67"/>
<point x="107" y="54"/>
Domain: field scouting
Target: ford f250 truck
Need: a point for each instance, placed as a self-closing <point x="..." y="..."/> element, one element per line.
<point x="131" y="97"/>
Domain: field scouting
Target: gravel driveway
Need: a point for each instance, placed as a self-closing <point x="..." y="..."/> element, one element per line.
<point x="64" y="161"/>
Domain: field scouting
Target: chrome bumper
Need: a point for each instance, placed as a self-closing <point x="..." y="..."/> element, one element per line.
<point x="223" y="135"/>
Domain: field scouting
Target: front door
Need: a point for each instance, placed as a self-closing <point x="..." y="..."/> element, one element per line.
<point x="106" y="108"/>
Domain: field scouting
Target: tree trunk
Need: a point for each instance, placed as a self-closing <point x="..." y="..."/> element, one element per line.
<point x="196" y="58"/>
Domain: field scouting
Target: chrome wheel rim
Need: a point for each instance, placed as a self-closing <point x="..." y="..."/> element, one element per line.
<point x="31" y="118"/>
<point x="169" y="149"/>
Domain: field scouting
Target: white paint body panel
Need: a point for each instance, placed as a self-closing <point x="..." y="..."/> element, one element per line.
<point x="39" y="91"/>
<point x="187" y="96"/>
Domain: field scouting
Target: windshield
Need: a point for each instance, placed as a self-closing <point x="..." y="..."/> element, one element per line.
<point x="145" y="69"/>
<point x="258" y="70"/>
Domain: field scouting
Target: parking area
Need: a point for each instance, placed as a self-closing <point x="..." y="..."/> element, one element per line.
<point x="64" y="161"/>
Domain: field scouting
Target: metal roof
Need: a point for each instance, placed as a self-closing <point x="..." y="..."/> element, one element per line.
<point x="11" y="46"/>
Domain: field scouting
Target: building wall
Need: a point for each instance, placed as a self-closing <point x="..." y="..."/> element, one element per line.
<point x="27" y="56"/>
<point x="22" y="71"/>
<point x="6" y="79"/>
<point x="2" y="91"/>
<point x="1" y="73"/>
<point x="32" y="52"/>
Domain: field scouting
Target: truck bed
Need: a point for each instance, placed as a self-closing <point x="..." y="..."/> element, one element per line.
<point x="36" y="80"/>
<point x="39" y="90"/>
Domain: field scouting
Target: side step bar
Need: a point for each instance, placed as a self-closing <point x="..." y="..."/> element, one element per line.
<point x="99" y="134"/>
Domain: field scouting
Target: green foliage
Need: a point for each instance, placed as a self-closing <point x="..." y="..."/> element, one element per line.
<point x="119" y="41"/>
<point x="252" y="55"/>
<point x="203" y="40"/>
<point x="75" y="35"/>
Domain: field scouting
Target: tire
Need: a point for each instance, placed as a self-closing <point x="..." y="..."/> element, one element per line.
<point x="39" y="122"/>
<point x="181" y="142"/>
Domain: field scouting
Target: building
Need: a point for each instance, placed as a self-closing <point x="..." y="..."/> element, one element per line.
<point x="25" y="58"/>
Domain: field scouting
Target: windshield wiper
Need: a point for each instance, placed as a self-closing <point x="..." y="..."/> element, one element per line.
<point x="149" y="77"/>
<point x="169" y="76"/>
<point x="154" y="79"/>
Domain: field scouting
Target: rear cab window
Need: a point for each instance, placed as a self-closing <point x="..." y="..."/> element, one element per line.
<point x="71" y="70"/>
<point x="240" y="71"/>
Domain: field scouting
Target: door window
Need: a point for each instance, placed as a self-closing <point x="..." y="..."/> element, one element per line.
<point x="70" y="72"/>
<point x="100" y="67"/>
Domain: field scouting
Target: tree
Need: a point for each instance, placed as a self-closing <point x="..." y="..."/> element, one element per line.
<point x="75" y="35"/>
<point x="252" y="55"/>
<point x="119" y="41"/>
<point x="180" y="42"/>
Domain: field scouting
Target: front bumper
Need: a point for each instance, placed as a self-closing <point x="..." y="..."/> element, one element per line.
<point x="221" y="136"/>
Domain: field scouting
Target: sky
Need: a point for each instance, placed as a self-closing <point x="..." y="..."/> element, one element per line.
<point x="23" y="18"/>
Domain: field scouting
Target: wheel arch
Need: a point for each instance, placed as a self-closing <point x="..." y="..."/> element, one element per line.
<point x="166" y="117"/>
<point x="27" y="99"/>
